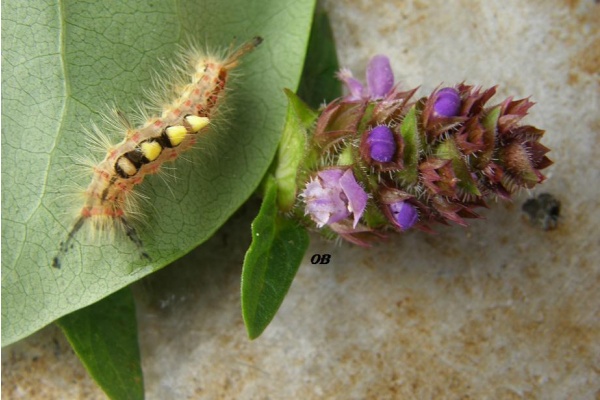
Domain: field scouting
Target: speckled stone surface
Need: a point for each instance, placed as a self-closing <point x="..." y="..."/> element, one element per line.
<point x="500" y="310"/>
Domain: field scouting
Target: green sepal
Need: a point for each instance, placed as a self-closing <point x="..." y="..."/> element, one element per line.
<point x="292" y="149"/>
<point x="270" y="265"/>
<point x="104" y="336"/>
<point x="490" y="124"/>
<point x="366" y="118"/>
<point x="447" y="150"/>
<point x="410" y="134"/>
<point x="373" y="217"/>
<point x="346" y="157"/>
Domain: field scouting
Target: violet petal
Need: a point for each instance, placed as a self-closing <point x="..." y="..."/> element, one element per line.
<point x="324" y="202"/>
<point x="357" y="197"/>
<point x="330" y="177"/>
<point x="380" y="77"/>
<point x="354" y="86"/>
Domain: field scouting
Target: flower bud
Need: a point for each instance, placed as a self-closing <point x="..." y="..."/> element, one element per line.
<point x="447" y="103"/>
<point x="404" y="214"/>
<point x="382" y="145"/>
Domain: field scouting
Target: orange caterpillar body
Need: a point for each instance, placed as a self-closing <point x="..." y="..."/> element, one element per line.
<point x="108" y="197"/>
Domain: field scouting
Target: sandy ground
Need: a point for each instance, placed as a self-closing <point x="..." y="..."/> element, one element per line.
<point x="500" y="310"/>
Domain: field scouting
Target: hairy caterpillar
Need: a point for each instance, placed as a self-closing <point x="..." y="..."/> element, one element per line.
<point x="108" y="203"/>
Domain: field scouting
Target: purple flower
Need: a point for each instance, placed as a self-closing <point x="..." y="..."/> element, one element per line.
<point x="405" y="214"/>
<point x="354" y="86"/>
<point x="333" y="196"/>
<point x="447" y="103"/>
<point x="382" y="145"/>
<point x="380" y="80"/>
<point x="380" y="77"/>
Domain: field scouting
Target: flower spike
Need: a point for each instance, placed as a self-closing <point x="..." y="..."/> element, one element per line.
<point x="383" y="161"/>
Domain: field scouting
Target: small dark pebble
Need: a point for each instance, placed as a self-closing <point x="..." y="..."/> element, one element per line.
<point x="543" y="211"/>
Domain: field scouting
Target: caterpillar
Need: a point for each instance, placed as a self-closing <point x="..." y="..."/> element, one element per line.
<point x="108" y="202"/>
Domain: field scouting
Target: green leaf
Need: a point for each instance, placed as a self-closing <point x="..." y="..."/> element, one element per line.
<point x="271" y="263"/>
<point x="104" y="336"/>
<point x="292" y="149"/>
<point x="62" y="62"/>
<point x="319" y="84"/>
